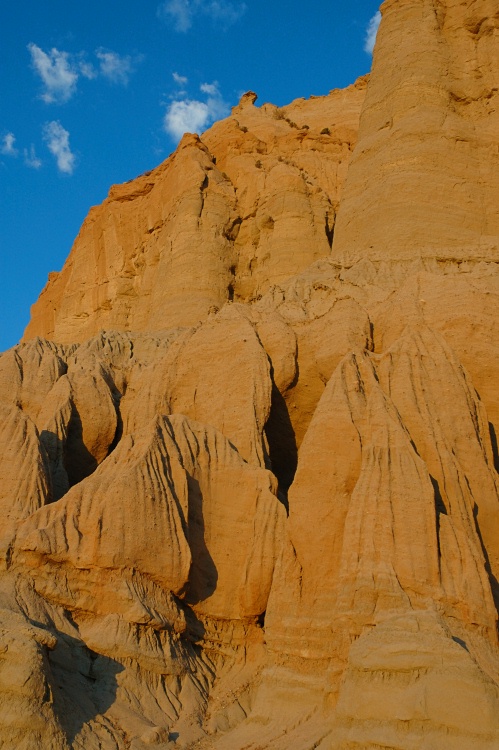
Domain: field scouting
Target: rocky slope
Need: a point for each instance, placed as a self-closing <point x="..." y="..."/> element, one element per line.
<point x="249" y="460"/>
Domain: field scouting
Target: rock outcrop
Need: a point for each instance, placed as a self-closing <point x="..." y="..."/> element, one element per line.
<point x="429" y="133"/>
<point x="251" y="204"/>
<point x="249" y="460"/>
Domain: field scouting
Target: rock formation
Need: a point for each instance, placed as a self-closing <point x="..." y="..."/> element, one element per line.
<point x="249" y="463"/>
<point x="223" y="219"/>
<point x="429" y="133"/>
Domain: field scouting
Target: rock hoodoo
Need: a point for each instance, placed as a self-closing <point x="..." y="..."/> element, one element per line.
<point x="249" y="458"/>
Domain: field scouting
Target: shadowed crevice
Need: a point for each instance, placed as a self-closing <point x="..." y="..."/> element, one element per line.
<point x="203" y="574"/>
<point x="54" y="448"/>
<point x="78" y="461"/>
<point x="69" y="460"/>
<point x="493" y="441"/>
<point x="440" y="507"/>
<point x="283" y="451"/>
<point x="329" y="228"/>
<point x="494" y="583"/>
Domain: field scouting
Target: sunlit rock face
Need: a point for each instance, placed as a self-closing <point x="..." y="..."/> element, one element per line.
<point x="249" y="459"/>
<point x="223" y="219"/>
<point x="424" y="181"/>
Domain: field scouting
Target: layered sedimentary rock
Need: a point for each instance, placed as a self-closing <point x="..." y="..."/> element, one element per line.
<point x="429" y="133"/>
<point x="222" y="219"/>
<point x="249" y="458"/>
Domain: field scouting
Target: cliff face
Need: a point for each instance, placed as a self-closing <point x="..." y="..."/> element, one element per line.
<point x="428" y="134"/>
<point x="249" y="459"/>
<point x="251" y="204"/>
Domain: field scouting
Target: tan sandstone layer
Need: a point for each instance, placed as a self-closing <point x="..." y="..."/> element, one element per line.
<point x="429" y="133"/>
<point x="249" y="456"/>
<point x="222" y="219"/>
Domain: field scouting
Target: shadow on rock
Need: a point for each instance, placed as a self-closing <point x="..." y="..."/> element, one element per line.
<point x="283" y="452"/>
<point x="84" y="684"/>
<point x="203" y="575"/>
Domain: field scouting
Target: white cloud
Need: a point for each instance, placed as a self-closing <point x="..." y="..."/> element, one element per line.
<point x="218" y="108"/>
<point x="186" y="116"/>
<point x="182" y="13"/>
<point x="194" y="116"/>
<point x="57" y="140"/>
<point x="114" y="67"/>
<point x="371" y="33"/>
<point x="178" y="11"/>
<point x="60" y="70"/>
<point x="181" y="80"/>
<point x="225" y="12"/>
<point x="31" y="159"/>
<point x="210" y="88"/>
<point x="58" y="75"/>
<point x="8" y="148"/>
<point x="87" y="70"/>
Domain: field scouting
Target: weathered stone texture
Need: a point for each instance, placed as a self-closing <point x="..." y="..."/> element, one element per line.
<point x="248" y="445"/>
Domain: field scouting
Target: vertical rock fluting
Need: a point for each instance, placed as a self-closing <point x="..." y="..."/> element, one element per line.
<point x="393" y="519"/>
<point x="424" y="180"/>
<point x="222" y="219"/>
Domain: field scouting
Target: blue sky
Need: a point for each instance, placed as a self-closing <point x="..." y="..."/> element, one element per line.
<point x="96" y="93"/>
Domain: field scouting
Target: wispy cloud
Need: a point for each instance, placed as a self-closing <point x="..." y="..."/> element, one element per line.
<point x="183" y="13"/>
<point x="58" y="75"/>
<point x="29" y="155"/>
<point x="60" y="71"/>
<point x="57" y="139"/>
<point x="225" y="13"/>
<point x="210" y="88"/>
<point x="193" y="115"/>
<point x="180" y="80"/>
<point x="8" y="148"/>
<point x="86" y="68"/>
<point x="116" y="68"/>
<point x="371" y="33"/>
<point x="179" y="12"/>
<point x="31" y="159"/>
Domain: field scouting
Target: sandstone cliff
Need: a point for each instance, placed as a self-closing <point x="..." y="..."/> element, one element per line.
<point x="429" y="134"/>
<point x="250" y="490"/>
<point x="251" y="204"/>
